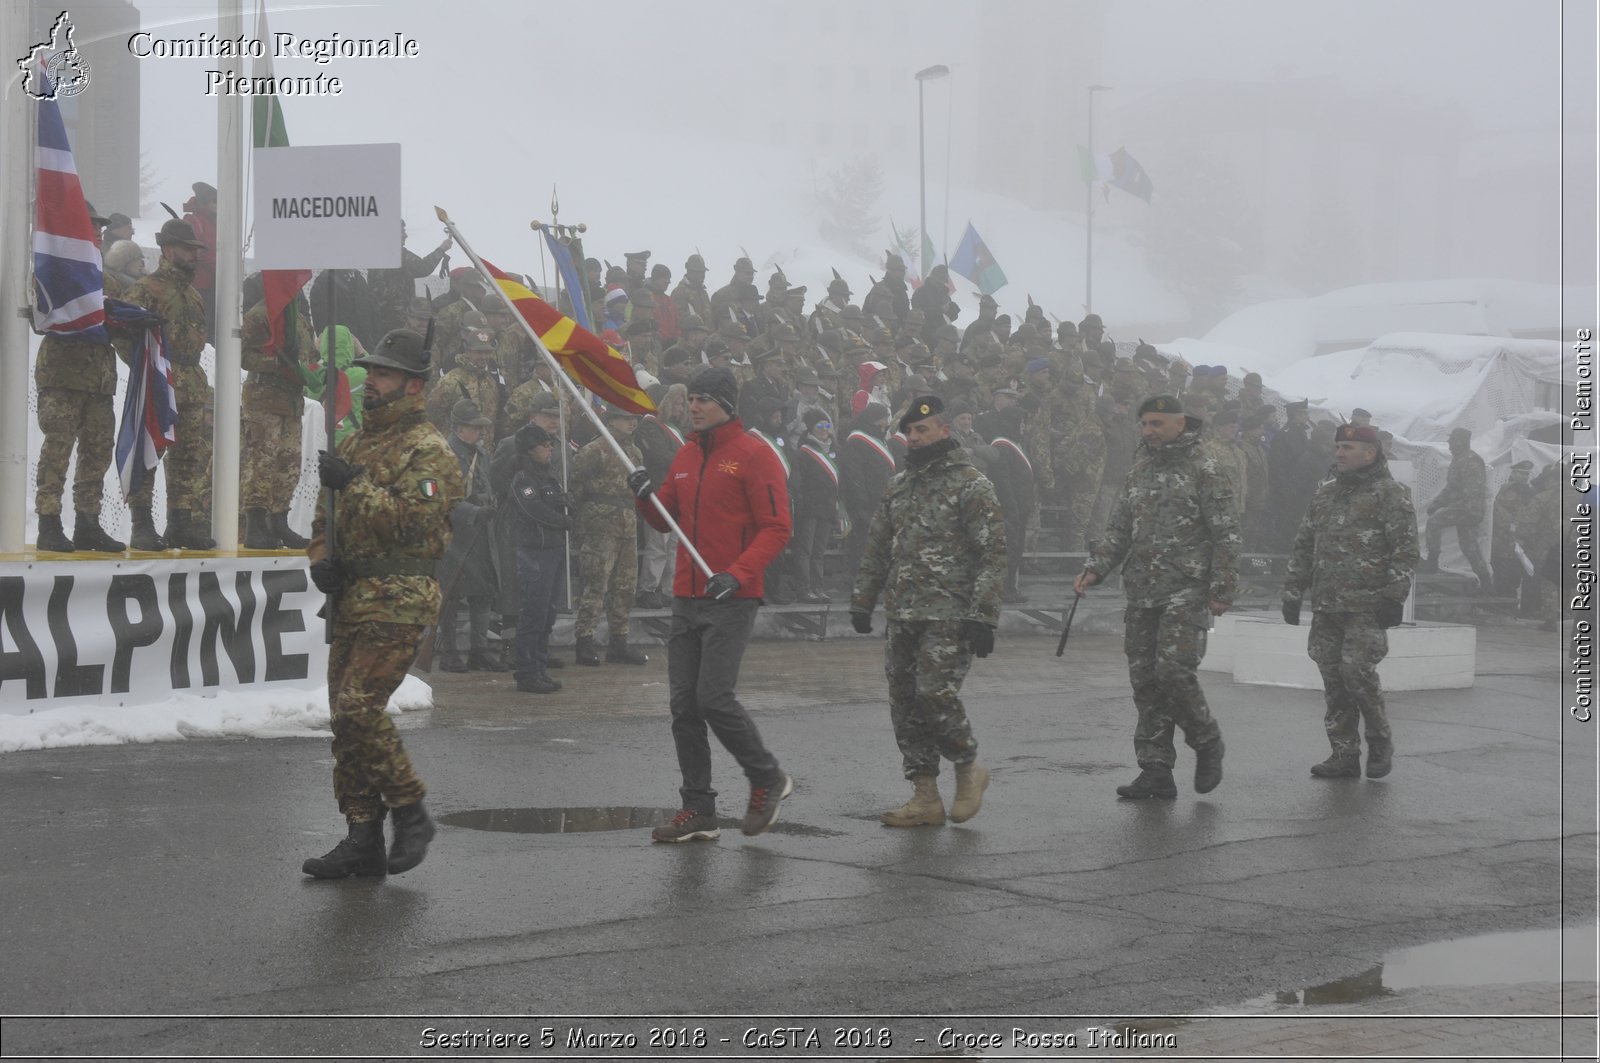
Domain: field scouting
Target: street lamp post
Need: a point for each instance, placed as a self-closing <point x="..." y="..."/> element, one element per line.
<point x="932" y="73"/>
<point x="1088" y="211"/>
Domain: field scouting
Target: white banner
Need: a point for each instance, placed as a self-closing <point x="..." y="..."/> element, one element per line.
<point x="139" y="632"/>
<point x="332" y="206"/>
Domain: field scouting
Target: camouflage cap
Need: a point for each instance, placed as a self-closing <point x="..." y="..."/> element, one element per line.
<point x="694" y="264"/>
<point x="179" y="233"/>
<point x="401" y="349"/>
<point x="465" y="414"/>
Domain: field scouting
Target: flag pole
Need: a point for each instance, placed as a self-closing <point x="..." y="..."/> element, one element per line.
<point x="568" y="383"/>
<point x="16" y="225"/>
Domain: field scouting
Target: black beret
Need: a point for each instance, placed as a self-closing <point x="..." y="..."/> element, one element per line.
<point x="923" y="406"/>
<point x="1160" y="404"/>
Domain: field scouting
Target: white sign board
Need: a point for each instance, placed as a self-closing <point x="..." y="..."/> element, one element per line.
<point x="328" y="207"/>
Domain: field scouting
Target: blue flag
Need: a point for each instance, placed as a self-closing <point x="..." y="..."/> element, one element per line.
<point x="570" y="278"/>
<point x="973" y="261"/>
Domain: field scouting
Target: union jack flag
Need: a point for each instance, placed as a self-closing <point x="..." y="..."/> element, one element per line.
<point x="150" y="407"/>
<point x="68" y="284"/>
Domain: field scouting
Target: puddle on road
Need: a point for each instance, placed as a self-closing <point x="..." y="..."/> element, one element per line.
<point x="594" y="818"/>
<point x="1488" y="959"/>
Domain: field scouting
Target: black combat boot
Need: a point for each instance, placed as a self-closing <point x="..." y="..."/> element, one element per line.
<point x="588" y="652"/>
<point x="258" y="534"/>
<point x="51" y="536"/>
<point x="413" y="830"/>
<point x="619" y="652"/>
<point x="485" y="661"/>
<point x="1380" y="757"/>
<point x="359" y="853"/>
<point x="1208" y="767"/>
<point x="452" y="662"/>
<point x="185" y="532"/>
<point x="144" y="532"/>
<point x="286" y="534"/>
<point x="538" y="684"/>
<point x="88" y="535"/>
<point x="1155" y="780"/>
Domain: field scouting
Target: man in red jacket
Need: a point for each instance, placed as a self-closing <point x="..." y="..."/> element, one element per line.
<point x="729" y="495"/>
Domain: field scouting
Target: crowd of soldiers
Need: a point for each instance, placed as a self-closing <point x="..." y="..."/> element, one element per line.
<point x="1045" y="411"/>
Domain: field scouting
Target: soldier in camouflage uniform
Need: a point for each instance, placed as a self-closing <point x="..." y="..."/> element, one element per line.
<point x="476" y="379"/>
<point x="1460" y="506"/>
<point x="1231" y="459"/>
<point x="889" y="300"/>
<point x="1175" y="529"/>
<point x="1081" y="459"/>
<point x="690" y="295"/>
<point x="76" y="378"/>
<point x="936" y="552"/>
<point x="1121" y="433"/>
<point x="607" y="540"/>
<point x="397" y="482"/>
<point x="393" y="289"/>
<point x="468" y="580"/>
<point x="1512" y="509"/>
<point x="271" y="406"/>
<point x="169" y="292"/>
<point x="1355" y="552"/>
<point x="450" y="327"/>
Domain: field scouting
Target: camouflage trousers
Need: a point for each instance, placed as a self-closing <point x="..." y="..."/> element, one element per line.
<point x="1466" y="537"/>
<point x="1347" y="648"/>
<point x="609" y="568"/>
<point x="926" y="660"/>
<point x="67" y="417"/>
<point x="366" y="663"/>
<point x="188" y="461"/>
<point x="1082" y="496"/>
<point x="1164" y="647"/>
<point x="270" y="455"/>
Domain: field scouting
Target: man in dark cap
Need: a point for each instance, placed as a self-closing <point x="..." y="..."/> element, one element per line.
<point x="829" y="313"/>
<point x="1358" y="416"/>
<point x="727" y="491"/>
<point x="1092" y="330"/>
<point x="1174" y="532"/>
<point x="936" y="554"/>
<point x="169" y="292"/>
<point x="637" y="263"/>
<point x="467" y="573"/>
<point x="771" y="384"/>
<point x="200" y="211"/>
<point x="397" y="482"/>
<point x="1460" y="506"/>
<point x="540" y="521"/>
<point x="1513" y="506"/>
<point x="723" y="299"/>
<point x="889" y="300"/>
<point x="690" y="295"/>
<point x="1355" y="552"/>
<point x="118" y="227"/>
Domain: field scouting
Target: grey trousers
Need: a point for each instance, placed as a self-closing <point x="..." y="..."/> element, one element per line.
<point x="704" y="650"/>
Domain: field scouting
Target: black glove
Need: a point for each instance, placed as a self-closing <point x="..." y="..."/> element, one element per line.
<point x="979" y="636"/>
<point x="326" y="575"/>
<point x="1388" y="614"/>
<point x="334" y="471"/>
<point x="861" y="621"/>
<point x="639" y="483"/>
<point x="484" y="517"/>
<point x="1291" y="611"/>
<point x="719" y="587"/>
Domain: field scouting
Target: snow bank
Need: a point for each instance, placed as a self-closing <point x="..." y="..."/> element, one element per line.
<point x="254" y="715"/>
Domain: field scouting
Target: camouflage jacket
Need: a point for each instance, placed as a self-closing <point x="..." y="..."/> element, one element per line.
<point x="271" y="386"/>
<point x="936" y="549"/>
<point x="1465" y="483"/>
<point x="1174" y="525"/>
<point x="888" y="301"/>
<point x="1512" y="505"/>
<point x="1231" y="460"/>
<point x="480" y="387"/>
<point x="693" y="297"/>
<point x="169" y="294"/>
<point x="1081" y="456"/>
<point x="599" y="486"/>
<point x="393" y="289"/>
<point x="77" y="364"/>
<point x="1357" y="545"/>
<point x="1255" y="475"/>
<point x="397" y="510"/>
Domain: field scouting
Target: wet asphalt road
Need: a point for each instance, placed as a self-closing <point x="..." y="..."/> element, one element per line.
<point x="163" y="880"/>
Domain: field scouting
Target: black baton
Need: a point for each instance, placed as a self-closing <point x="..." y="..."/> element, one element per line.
<point x="1061" y="647"/>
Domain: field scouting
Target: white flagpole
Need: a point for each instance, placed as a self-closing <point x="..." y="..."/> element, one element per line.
<point x="16" y="243"/>
<point x="560" y="374"/>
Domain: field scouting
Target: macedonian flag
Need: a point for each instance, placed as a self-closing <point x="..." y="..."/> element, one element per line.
<point x="583" y="354"/>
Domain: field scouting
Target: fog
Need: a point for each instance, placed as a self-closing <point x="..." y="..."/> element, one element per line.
<point x="1294" y="148"/>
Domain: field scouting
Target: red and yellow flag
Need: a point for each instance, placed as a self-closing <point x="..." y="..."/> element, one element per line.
<point x="583" y="354"/>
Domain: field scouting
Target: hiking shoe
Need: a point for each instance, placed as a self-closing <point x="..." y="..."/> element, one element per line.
<point x="1380" y="758"/>
<point x="1337" y="767"/>
<point x="762" y="812"/>
<point x="688" y="826"/>
<point x="1155" y="780"/>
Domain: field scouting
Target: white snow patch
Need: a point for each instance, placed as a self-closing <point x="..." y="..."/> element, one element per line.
<point x="263" y="714"/>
